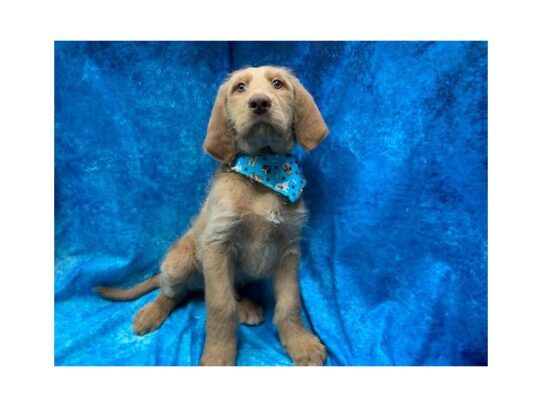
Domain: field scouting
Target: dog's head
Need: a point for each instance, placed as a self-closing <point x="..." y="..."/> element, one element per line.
<point x="259" y="109"/>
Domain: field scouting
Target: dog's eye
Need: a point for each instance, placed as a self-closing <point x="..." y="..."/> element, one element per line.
<point x="241" y="87"/>
<point x="277" y="84"/>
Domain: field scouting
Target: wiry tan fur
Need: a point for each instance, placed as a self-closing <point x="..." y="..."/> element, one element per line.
<point x="244" y="231"/>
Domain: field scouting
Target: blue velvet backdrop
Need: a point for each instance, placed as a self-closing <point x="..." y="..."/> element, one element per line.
<point x="394" y="268"/>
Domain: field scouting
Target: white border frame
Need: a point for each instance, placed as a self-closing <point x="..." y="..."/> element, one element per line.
<point x="26" y="161"/>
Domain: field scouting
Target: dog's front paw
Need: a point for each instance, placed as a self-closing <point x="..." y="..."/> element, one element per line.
<point x="217" y="359"/>
<point x="249" y="313"/>
<point x="305" y="349"/>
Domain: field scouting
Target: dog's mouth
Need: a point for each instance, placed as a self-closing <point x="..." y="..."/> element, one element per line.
<point x="266" y="150"/>
<point x="264" y="139"/>
<point x="260" y="127"/>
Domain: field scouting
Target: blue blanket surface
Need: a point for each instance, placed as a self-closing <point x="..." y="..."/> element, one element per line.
<point x="394" y="268"/>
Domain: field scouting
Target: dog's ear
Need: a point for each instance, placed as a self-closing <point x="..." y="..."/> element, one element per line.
<point x="219" y="140"/>
<point x="309" y="126"/>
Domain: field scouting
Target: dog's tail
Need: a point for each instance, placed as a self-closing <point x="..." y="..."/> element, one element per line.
<point x="129" y="294"/>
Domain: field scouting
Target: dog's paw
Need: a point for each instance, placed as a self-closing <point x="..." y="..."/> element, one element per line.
<point x="305" y="349"/>
<point x="149" y="319"/>
<point x="249" y="313"/>
<point x="216" y="359"/>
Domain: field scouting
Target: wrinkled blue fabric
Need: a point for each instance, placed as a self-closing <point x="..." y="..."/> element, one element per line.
<point x="394" y="263"/>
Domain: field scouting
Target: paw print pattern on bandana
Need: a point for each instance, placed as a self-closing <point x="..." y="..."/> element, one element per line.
<point x="279" y="172"/>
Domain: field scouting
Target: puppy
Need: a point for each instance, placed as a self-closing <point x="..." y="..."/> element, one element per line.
<point x="245" y="231"/>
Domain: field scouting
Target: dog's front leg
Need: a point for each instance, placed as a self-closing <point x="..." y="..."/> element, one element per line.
<point x="222" y="317"/>
<point x="303" y="347"/>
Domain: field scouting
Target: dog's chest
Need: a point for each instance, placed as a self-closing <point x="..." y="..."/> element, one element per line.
<point x="265" y="231"/>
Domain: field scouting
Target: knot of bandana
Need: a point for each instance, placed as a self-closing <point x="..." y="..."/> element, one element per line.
<point x="279" y="172"/>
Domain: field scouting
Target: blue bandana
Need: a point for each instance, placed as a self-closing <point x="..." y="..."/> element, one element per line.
<point x="279" y="172"/>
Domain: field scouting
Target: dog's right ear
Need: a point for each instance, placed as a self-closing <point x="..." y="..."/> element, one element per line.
<point x="219" y="140"/>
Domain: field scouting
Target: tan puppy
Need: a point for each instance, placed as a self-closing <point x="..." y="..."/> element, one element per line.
<point x="244" y="231"/>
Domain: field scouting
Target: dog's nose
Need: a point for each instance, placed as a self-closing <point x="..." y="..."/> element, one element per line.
<point x="259" y="103"/>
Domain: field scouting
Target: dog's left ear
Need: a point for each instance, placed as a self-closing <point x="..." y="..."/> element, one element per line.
<point x="219" y="140"/>
<point x="309" y="126"/>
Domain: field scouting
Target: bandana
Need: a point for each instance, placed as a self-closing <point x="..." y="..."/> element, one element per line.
<point x="279" y="172"/>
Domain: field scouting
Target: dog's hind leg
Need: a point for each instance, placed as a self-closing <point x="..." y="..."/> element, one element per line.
<point x="179" y="272"/>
